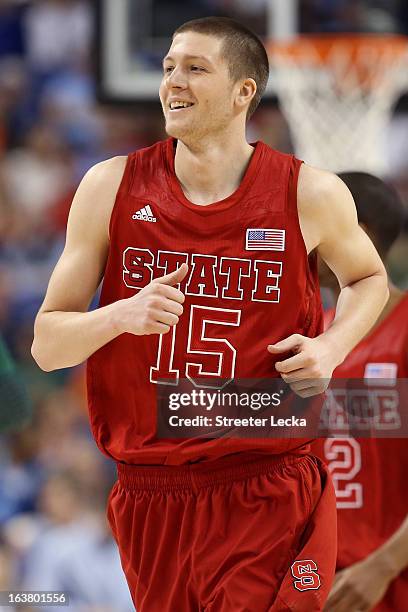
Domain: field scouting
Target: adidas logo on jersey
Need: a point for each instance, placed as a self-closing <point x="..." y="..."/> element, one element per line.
<point x="145" y="214"/>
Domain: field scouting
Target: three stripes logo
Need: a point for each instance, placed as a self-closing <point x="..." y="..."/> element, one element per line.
<point x="145" y="214"/>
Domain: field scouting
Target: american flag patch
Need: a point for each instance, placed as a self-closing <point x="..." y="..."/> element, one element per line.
<point x="387" y="372"/>
<point x="265" y="240"/>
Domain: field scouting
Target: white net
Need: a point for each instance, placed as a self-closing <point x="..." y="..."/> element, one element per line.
<point x="339" y="109"/>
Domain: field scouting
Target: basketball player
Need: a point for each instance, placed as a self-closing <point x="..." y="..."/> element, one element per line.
<point x="203" y="243"/>
<point x="370" y="474"/>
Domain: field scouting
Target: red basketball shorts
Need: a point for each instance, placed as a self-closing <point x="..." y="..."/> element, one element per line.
<point x="246" y="533"/>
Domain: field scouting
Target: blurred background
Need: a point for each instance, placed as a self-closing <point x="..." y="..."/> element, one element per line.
<point x="78" y="84"/>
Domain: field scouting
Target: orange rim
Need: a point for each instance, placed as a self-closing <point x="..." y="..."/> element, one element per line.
<point x="368" y="58"/>
<point x="323" y="44"/>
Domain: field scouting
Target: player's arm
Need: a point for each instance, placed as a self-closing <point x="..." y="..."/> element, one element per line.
<point x="329" y="224"/>
<point x="65" y="333"/>
<point x="363" y="585"/>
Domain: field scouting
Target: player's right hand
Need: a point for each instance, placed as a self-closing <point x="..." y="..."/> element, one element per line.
<point x="155" y="309"/>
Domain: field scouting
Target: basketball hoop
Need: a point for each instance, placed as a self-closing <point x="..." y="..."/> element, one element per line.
<point x="338" y="95"/>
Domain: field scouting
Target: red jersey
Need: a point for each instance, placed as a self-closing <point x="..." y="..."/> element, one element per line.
<point x="369" y="474"/>
<point x="249" y="284"/>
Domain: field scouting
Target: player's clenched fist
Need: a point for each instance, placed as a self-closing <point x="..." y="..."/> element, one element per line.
<point x="309" y="370"/>
<point x="155" y="309"/>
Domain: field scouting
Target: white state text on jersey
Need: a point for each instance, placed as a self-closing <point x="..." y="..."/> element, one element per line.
<point x="207" y="274"/>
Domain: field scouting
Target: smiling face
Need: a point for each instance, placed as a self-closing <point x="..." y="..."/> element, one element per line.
<point x="196" y="92"/>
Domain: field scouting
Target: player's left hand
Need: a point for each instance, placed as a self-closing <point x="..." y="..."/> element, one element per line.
<point x="360" y="587"/>
<point x="309" y="370"/>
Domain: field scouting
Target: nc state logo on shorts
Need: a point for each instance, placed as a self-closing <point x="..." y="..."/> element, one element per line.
<point x="306" y="575"/>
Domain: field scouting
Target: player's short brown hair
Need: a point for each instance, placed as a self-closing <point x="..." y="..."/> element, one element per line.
<point x="379" y="208"/>
<point x="244" y="52"/>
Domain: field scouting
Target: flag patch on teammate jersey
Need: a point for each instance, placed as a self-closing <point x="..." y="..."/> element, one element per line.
<point x="386" y="371"/>
<point x="265" y="240"/>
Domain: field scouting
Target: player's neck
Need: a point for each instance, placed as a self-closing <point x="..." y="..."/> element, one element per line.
<point x="209" y="171"/>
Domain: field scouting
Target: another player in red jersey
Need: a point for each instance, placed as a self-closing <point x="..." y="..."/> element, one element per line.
<point x="202" y="242"/>
<point x="370" y="473"/>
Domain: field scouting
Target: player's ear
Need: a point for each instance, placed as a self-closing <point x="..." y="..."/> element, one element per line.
<point x="246" y="91"/>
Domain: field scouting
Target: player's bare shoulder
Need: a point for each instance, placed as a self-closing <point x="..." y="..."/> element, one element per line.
<point x="88" y="222"/>
<point x="324" y="201"/>
<point x="96" y="195"/>
<point x="106" y="172"/>
<point x="87" y="241"/>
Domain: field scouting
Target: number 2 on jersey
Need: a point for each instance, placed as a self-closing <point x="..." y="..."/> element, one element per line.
<point x="203" y="348"/>
<point x="343" y="456"/>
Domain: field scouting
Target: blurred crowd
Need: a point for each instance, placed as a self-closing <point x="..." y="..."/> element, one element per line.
<point x="314" y="15"/>
<point x="53" y="481"/>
